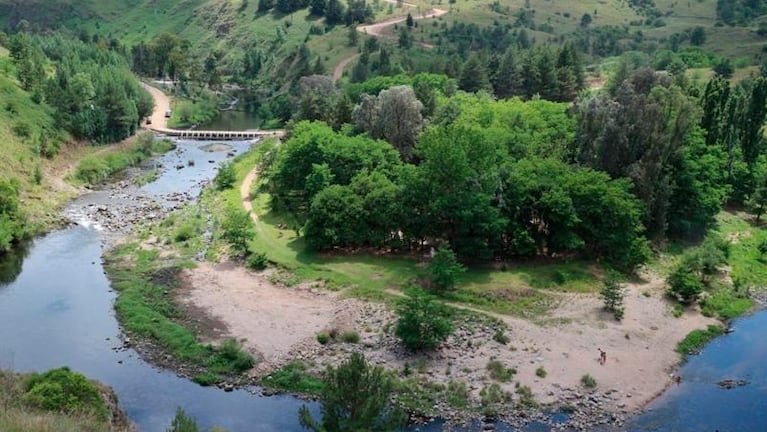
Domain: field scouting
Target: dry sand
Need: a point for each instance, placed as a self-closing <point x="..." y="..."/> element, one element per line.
<point x="279" y="324"/>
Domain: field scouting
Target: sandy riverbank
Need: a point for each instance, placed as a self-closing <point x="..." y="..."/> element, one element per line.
<point x="279" y="324"/>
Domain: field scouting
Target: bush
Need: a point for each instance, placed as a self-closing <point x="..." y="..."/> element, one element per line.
<point x="612" y="294"/>
<point x="443" y="270"/>
<point x="526" y="398"/>
<point x="182" y="423"/>
<point x="184" y="233"/>
<point x="350" y="337"/>
<point x="684" y="284"/>
<point x="500" y="337"/>
<point x="499" y="372"/>
<point x="492" y="398"/>
<point x="64" y="391"/>
<point x="257" y="261"/>
<point x="355" y="397"/>
<point x="422" y="324"/>
<point x="541" y="372"/>
<point x="588" y="381"/>
<point x="323" y="338"/>
<point x="226" y="177"/>
<point x="229" y="357"/>
<point x="237" y="230"/>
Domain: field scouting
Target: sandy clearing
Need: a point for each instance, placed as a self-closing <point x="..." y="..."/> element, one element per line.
<point x="270" y="320"/>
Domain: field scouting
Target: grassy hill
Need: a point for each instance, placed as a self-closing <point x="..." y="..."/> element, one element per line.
<point x="233" y="26"/>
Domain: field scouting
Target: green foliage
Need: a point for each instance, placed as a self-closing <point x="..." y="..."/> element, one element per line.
<point x="64" y="391"/>
<point x="350" y="337"/>
<point x="725" y="304"/>
<point x="499" y="372"/>
<point x="422" y="323"/>
<point x="526" y="398"/>
<point x="588" y="381"/>
<point x="355" y="397"/>
<point x="500" y="337"/>
<point x="323" y="338"/>
<point x="225" y="178"/>
<point x="183" y="423"/>
<point x="293" y="378"/>
<point x="692" y="275"/>
<point x="612" y="295"/>
<point x="443" y="270"/>
<point x="541" y="372"/>
<point x="12" y="218"/>
<point x="697" y="339"/>
<point x="684" y="284"/>
<point x="93" y="169"/>
<point x="237" y="230"/>
<point x="257" y="261"/>
<point x="493" y="399"/>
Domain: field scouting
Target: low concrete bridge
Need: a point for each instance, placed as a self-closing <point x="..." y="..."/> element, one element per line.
<point x="206" y="135"/>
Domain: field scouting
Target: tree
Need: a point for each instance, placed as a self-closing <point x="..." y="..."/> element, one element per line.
<point x="698" y="36"/>
<point x="422" y="324"/>
<point x="612" y="294"/>
<point x="334" y="12"/>
<point x="226" y="177"/>
<point x="474" y="75"/>
<point x="355" y="398"/>
<point x="399" y="118"/>
<point x="318" y="7"/>
<point x="409" y="21"/>
<point x="443" y="270"/>
<point x="183" y="423"/>
<point x="237" y="230"/>
<point x="353" y="36"/>
<point x="507" y="80"/>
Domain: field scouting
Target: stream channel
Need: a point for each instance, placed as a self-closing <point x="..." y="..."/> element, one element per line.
<point x="56" y="309"/>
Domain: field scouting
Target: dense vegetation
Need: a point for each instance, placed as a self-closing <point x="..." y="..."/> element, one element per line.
<point x="59" y="399"/>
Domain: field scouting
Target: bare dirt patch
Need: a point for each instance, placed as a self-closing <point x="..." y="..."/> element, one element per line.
<point x="270" y="320"/>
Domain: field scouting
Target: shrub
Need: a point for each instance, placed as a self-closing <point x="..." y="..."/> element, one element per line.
<point x="237" y="230"/>
<point x="257" y="261"/>
<point x="64" y="391"/>
<point x="443" y="270"/>
<point x="588" y="381"/>
<point x="226" y="177"/>
<point x="612" y="294"/>
<point x="500" y="337"/>
<point x="323" y="338"/>
<point x="350" y="337"/>
<point x="457" y="394"/>
<point x="499" y="372"/>
<point x="206" y="379"/>
<point x="541" y="372"/>
<point x="355" y="397"/>
<point x="229" y="357"/>
<point x="422" y="324"/>
<point x="184" y="233"/>
<point x="293" y="377"/>
<point x="526" y="398"/>
<point x="684" y="284"/>
<point x="183" y="423"/>
<point x="492" y="398"/>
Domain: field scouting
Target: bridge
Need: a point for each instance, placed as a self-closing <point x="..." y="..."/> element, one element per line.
<point x="217" y="135"/>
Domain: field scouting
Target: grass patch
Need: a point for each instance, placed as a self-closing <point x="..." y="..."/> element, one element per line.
<point x="95" y="168"/>
<point x="293" y="378"/>
<point x="588" y="381"/>
<point x="697" y="339"/>
<point x="723" y="304"/>
<point x="499" y="372"/>
<point x="145" y="308"/>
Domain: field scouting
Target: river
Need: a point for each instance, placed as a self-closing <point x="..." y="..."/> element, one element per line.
<point x="56" y="309"/>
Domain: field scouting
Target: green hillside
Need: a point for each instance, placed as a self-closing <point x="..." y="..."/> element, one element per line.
<point x="234" y="28"/>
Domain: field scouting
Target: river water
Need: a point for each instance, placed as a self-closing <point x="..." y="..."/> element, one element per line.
<point x="56" y="310"/>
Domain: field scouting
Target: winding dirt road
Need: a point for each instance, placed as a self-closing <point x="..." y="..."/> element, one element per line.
<point x="376" y="29"/>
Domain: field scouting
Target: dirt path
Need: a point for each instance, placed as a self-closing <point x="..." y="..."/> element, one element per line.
<point x="161" y="106"/>
<point x="245" y="193"/>
<point x="376" y="29"/>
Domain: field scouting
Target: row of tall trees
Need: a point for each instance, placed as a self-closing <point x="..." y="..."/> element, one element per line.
<point x="94" y="94"/>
